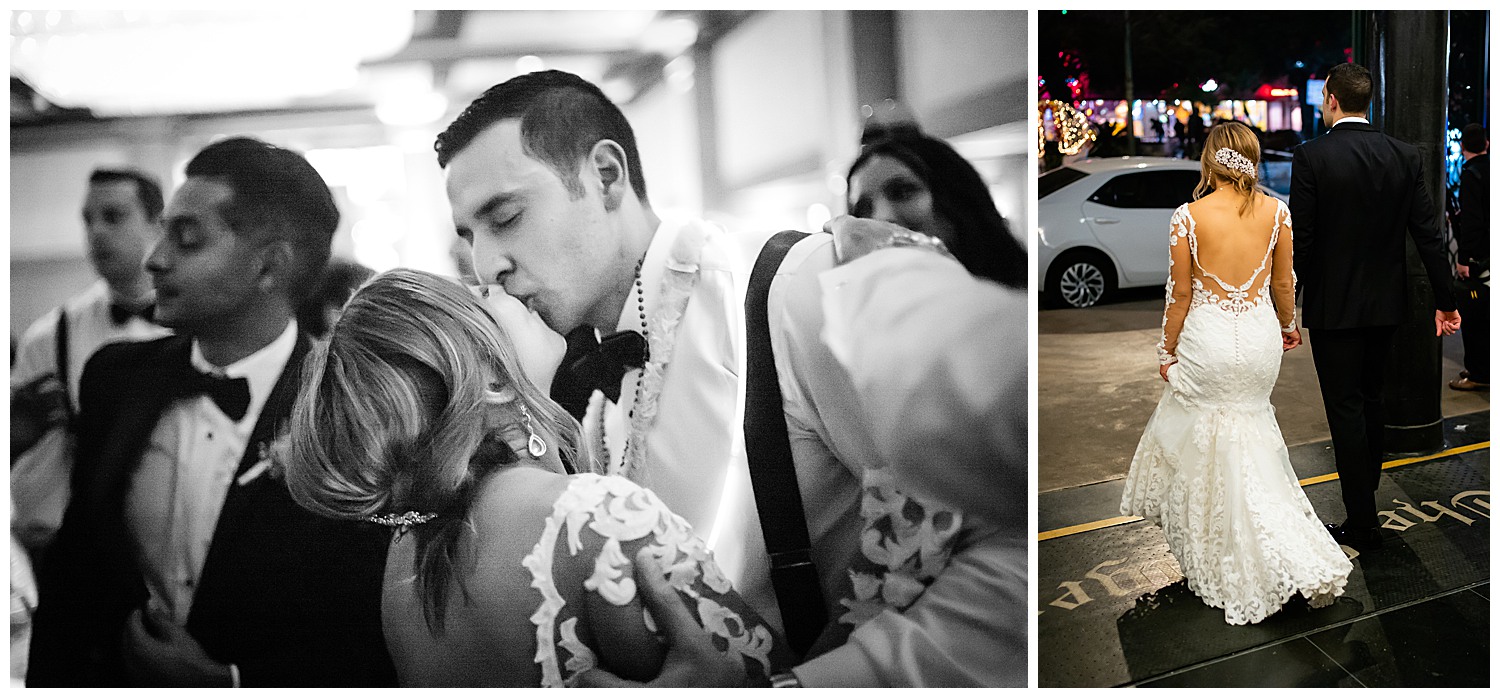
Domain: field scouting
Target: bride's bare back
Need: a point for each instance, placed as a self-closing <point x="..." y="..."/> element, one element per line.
<point x="1233" y="246"/>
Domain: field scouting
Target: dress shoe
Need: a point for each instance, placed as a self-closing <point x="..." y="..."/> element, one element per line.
<point x="1363" y="540"/>
<point x="1466" y="384"/>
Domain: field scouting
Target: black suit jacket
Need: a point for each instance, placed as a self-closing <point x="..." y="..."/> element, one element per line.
<point x="292" y="598"/>
<point x="1474" y="221"/>
<point x="1356" y="193"/>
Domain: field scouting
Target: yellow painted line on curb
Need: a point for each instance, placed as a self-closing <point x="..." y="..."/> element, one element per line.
<point x="1316" y="479"/>
<point x="1084" y="528"/>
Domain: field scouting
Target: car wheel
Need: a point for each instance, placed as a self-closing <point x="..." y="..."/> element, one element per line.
<point x="1080" y="279"/>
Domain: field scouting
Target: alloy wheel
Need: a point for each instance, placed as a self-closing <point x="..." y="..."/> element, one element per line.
<point x="1081" y="284"/>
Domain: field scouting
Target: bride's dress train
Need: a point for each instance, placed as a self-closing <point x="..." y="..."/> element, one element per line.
<point x="1212" y="468"/>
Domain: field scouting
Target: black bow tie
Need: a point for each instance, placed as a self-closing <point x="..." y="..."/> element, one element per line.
<point x="604" y="365"/>
<point x="232" y="395"/>
<point x="121" y="314"/>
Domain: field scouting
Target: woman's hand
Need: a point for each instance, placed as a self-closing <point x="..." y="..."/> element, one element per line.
<point x="1164" y="368"/>
<point x="856" y="237"/>
<point x="538" y="348"/>
<point x="1291" y="340"/>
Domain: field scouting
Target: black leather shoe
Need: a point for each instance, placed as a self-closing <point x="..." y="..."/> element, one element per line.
<point x="1363" y="540"/>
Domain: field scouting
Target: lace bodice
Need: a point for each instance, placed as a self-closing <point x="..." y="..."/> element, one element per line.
<point x="1226" y="247"/>
<point x="621" y="511"/>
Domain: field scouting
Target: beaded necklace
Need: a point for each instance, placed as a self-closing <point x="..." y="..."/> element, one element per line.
<point x="640" y="304"/>
<point x="680" y="276"/>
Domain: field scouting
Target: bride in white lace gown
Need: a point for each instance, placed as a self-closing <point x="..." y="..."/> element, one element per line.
<point x="504" y="570"/>
<point x="1212" y="468"/>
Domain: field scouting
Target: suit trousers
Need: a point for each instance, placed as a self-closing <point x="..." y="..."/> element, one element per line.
<point x="1474" y="305"/>
<point x="1351" y="375"/>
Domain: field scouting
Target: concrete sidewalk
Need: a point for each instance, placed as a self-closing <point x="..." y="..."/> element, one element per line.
<point x="1097" y="384"/>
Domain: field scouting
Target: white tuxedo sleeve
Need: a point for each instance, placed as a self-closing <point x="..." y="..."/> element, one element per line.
<point x="909" y="365"/>
<point x="968" y="629"/>
<point x="938" y="359"/>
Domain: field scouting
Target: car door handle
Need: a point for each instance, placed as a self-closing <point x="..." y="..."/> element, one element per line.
<point x="1105" y="220"/>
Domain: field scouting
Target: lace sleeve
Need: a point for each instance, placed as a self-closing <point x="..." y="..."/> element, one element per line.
<point x="1283" y="276"/>
<point x="606" y="520"/>
<point x="1179" y="285"/>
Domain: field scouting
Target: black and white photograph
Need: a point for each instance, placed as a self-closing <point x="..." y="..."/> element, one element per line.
<point x="367" y="347"/>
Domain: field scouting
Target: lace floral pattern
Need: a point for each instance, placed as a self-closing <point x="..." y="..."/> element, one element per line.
<point x="1212" y="468"/>
<point x="620" y="510"/>
<point x="1234" y="299"/>
<point x="906" y="542"/>
<point x="1177" y="230"/>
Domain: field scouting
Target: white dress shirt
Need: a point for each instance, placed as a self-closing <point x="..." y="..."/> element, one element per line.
<point x="1353" y="119"/>
<point x="185" y="473"/>
<point x="89" y="327"/>
<point x="39" y="477"/>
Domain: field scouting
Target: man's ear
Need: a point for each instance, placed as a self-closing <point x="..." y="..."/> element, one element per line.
<point x="1332" y="102"/>
<point x="275" y="267"/>
<point x="607" y="165"/>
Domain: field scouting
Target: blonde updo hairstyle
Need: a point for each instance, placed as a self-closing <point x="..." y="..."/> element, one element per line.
<point x="392" y="415"/>
<point x="1239" y="138"/>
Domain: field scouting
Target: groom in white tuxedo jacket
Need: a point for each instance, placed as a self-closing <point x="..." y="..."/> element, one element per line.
<point x="545" y="182"/>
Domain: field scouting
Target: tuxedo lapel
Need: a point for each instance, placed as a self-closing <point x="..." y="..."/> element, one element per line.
<point x="131" y="402"/>
<point x="277" y="408"/>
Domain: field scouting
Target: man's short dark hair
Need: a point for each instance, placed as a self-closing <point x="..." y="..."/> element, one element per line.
<point x="276" y="195"/>
<point x="1350" y="83"/>
<point x="562" y="117"/>
<point x="146" y="188"/>
<point x="1474" y="139"/>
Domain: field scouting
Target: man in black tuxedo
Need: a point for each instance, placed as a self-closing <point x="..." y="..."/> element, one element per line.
<point x="182" y="559"/>
<point x="1473" y="268"/>
<point x="1356" y="192"/>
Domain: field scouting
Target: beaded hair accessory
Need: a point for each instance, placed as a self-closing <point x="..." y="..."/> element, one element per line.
<point x="1232" y="159"/>
<point x="401" y="521"/>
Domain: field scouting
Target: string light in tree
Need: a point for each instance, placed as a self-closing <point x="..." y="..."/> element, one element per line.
<point x="1071" y="126"/>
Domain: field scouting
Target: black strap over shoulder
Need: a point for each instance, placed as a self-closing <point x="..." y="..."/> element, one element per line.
<point x="62" y="361"/>
<point x="773" y="476"/>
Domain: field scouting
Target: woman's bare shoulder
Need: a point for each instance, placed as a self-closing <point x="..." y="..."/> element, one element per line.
<point x="516" y="492"/>
<point x="507" y="518"/>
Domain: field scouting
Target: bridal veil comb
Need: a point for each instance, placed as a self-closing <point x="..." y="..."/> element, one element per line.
<point x="1232" y="159"/>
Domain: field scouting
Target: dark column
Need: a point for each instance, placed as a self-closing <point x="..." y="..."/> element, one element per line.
<point x="1408" y="59"/>
<point x="1129" y="92"/>
<point x="876" y="69"/>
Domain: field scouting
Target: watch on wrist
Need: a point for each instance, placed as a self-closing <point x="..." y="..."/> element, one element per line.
<point x="785" y="679"/>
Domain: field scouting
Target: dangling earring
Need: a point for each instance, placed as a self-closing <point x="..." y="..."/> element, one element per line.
<point x="534" y="444"/>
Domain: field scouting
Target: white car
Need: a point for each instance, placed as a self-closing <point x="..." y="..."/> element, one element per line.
<point x="1102" y="225"/>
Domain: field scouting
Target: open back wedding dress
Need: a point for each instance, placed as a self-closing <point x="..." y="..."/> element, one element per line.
<point x="1212" y="468"/>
